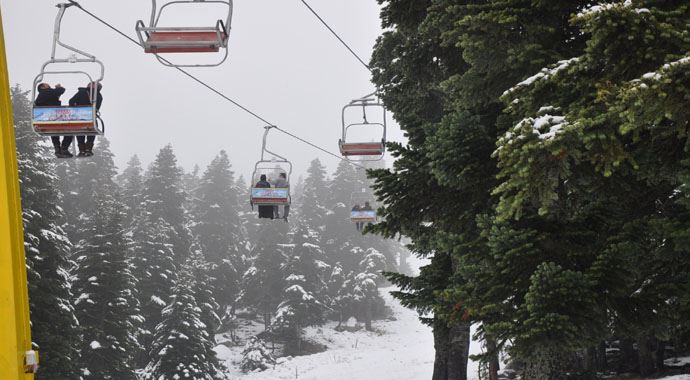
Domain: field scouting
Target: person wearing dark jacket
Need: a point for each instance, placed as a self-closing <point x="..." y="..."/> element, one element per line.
<point x="50" y="97"/>
<point x="83" y="98"/>
<point x="265" y="212"/>
<point x="358" y="225"/>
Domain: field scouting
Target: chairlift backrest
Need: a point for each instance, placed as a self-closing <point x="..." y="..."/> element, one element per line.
<point x="376" y="146"/>
<point x="157" y="39"/>
<point x="67" y="120"/>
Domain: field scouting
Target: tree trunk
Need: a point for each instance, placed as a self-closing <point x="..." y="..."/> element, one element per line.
<point x="452" y="351"/>
<point x="660" y="354"/>
<point x="441" y="333"/>
<point x="459" y="351"/>
<point x="368" y="314"/>
<point x="628" y="357"/>
<point x="494" y="364"/>
<point x="645" y="355"/>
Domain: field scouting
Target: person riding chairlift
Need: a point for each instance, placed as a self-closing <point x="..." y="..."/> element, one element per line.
<point x="281" y="183"/>
<point x="358" y="225"/>
<point x="50" y="97"/>
<point x="265" y="212"/>
<point x="83" y="98"/>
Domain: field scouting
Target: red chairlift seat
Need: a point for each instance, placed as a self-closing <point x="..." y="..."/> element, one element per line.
<point x="190" y="41"/>
<point x="362" y="149"/>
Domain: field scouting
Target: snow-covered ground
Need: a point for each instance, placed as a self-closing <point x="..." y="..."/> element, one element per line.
<point x="402" y="349"/>
<point x="677" y="377"/>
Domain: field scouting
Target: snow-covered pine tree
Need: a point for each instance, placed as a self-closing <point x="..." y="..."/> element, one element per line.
<point x="132" y="186"/>
<point x="340" y="232"/>
<point x="182" y="347"/>
<point x="366" y="293"/>
<point x="203" y="290"/>
<point x="315" y="197"/>
<point x="164" y="198"/>
<point x="106" y="304"/>
<point x="53" y="323"/>
<point x="153" y="266"/>
<point x="602" y="151"/>
<point x="217" y="228"/>
<point x="263" y="282"/>
<point x="92" y="177"/>
<point x="302" y="302"/>
<point x="256" y="356"/>
<point x="340" y="294"/>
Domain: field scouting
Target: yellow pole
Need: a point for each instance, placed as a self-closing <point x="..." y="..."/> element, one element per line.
<point x="17" y="361"/>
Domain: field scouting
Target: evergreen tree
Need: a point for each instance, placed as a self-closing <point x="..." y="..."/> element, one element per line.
<point x="256" y="356"/>
<point x="263" y="282"/>
<point x="182" y="347"/>
<point x="106" y="305"/>
<point x="164" y="199"/>
<point x="302" y="300"/>
<point x="53" y="322"/>
<point x="153" y="265"/>
<point x="217" y="227"/>
<point x="132" y="186"/>
<point x="365" y="291"/>
<point x="598" y="177"/>
<point x="203" y="291"/>
<point x="315" y="197"/>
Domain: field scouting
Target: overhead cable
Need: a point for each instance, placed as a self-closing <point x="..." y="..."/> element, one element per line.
<point x="213" y="89"/>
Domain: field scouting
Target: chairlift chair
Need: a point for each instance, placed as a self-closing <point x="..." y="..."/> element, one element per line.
<point x="270" y="196"/>
<point x="367" y="151"/>
<point x="67" y="120"/>
<point x="362" y="216"/>
<point x="204" y="39"/>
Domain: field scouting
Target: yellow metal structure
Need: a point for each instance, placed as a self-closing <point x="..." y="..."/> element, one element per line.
<point x="17" y="361"/>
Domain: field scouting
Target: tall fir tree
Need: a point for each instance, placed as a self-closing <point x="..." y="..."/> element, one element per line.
<point x="218" y="229"/>
<point x="106" y="303"/>
<point x="164" y="198"/>
<point x="263" y="282"/>
<point x="132" y="187"/>
<point x="153" y="265"/>
<point x="182" y="347"/>
<point x="315" y="197"/>
<point x="54" y="325"/>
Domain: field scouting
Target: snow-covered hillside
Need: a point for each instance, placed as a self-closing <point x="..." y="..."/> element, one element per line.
<point x="401" y="349"/>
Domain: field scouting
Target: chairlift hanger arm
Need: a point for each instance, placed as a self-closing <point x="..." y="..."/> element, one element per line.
<point x="56" y="34"/>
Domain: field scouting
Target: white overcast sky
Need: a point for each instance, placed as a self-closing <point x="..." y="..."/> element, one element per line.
<point x="283" y="64"/>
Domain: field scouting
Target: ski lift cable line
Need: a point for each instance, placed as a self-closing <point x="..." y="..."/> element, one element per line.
<point x="211" y="88"/>
<point x="336" y="35"/>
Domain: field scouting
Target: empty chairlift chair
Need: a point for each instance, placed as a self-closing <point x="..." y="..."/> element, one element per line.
<point x="364" y="150"/>
<point x="158" y="39"/>
<point x="67" y="120"/>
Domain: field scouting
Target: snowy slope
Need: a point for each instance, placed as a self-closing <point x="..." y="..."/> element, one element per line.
<point x="402" y="349"/>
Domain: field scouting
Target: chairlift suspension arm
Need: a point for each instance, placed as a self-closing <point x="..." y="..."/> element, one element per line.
<point x="56" y="35"/>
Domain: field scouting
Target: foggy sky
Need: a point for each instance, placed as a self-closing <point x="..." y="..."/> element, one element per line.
<point x="283" y="64"/>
